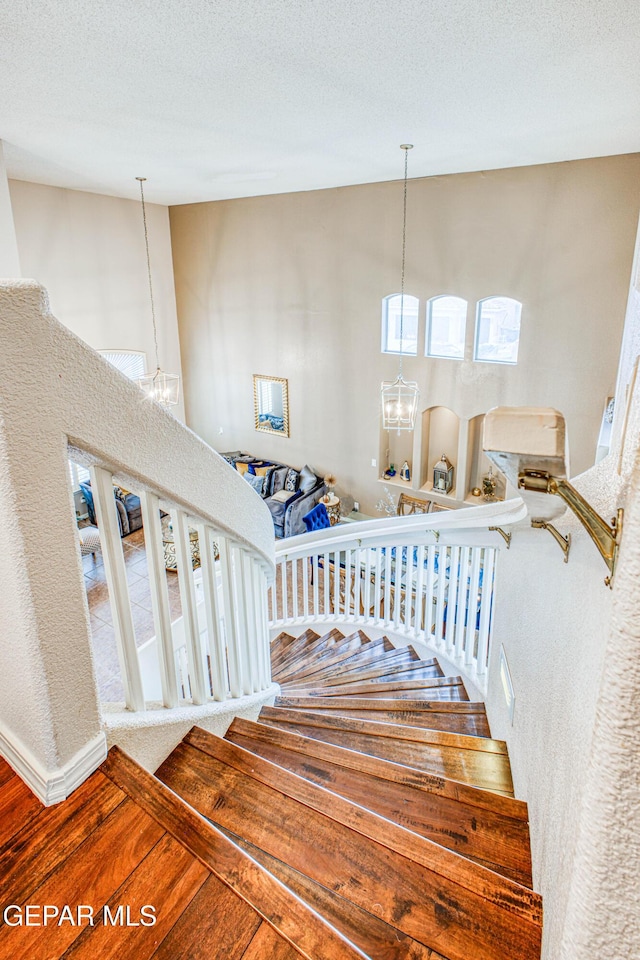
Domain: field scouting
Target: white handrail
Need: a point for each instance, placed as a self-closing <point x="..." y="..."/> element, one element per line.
<point x="427" y="578"/>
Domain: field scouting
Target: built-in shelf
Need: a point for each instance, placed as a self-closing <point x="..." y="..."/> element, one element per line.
<point x="397" y="482"/>
<point x="440" y="430"/>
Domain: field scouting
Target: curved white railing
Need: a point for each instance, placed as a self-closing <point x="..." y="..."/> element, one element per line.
<point x="428" y="577"/>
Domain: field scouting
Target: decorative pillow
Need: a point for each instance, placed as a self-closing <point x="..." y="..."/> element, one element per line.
<point x="120" y="492"/>
<point x="241" y="467"/>
<point x="308" y="479"/>
<point x="291" y="483"/>
<point x="256" y="482"/>
<point x="260" y="470"/>
<point x="282" y="496"/>
<point x="278" y="478"/>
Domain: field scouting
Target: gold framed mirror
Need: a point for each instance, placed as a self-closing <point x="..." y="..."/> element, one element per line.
<point x="271" y="404"/>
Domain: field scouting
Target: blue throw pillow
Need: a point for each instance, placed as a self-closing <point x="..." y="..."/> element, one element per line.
<point x="256" y="482"/>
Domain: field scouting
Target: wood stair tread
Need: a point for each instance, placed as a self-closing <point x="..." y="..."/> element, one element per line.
<point x="371" y="934"/>
<point x="439" y="688"/>
<point x="345" y="653"/>
<point x="482" y="825"/>
<point x="230" y="785"/>
<point x="309" y="643"/>
<point x="473" y="760"/>
<point x="457" y="716"/>
<point x="386" y="670"/>
<point x="328" y="646"/>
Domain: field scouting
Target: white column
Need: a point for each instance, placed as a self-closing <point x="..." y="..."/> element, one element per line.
<point x="9" y="259"/>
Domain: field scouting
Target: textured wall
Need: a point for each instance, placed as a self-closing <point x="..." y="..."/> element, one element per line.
<point x="57" y="388"/>
<point x="573" y="649"/>
<point x="9" y="258"/>
<point x="292" y="285"/>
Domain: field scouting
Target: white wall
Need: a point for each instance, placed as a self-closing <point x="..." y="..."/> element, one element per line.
<point x="292" y="286"/>
<point x="573" y="648"/>
<point x="88" y="251"/>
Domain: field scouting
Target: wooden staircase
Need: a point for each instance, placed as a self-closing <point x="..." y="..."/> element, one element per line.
<point x="368" y="813"/>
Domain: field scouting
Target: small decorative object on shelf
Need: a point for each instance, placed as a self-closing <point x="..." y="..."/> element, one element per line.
<point x="391" y="472"/>
<point x="443" y="475"/>
<point x="405" y="472"/>
<point x="476" y="492"/>
<point x="489" y="486"/>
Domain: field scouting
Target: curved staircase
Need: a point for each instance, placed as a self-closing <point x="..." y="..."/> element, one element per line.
<point x="368" y="813"/>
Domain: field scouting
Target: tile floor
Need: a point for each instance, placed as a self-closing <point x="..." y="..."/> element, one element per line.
<point x="102" y="632"/>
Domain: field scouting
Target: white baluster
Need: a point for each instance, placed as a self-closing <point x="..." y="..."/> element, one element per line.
<point x="452" y="594"/>
<point x="367" y="585"/>
<point x="189" y="606"/>
<point x="316" y="586"/>
<point x="258" y="629"/>
<point x="403" y="585"/>
<point x="284" y="570"/>
<point x="348" y="557"/>
<point x="388" y="587"/>
<point x="377" y="585"/>
<point x="294" y="587"/>
<point x="357" y="583"/>
<point x="266" y="640"/>
<point x="326" y="576"/>
<point x="215" y="639"/>
<point x="305" y="587"/>
<point x="463" y="602"/>
<point x="230" y="624"/>
<point x="443" y="557"/>
<point x="115" y="570"/>
<point x="252" y="622"/>
<point x="159" y="597"/>
<point x="486" y="605"/>
<point x="419" y="615"/>
<point x="472" y="607"/>
<point x="243" y="618"/>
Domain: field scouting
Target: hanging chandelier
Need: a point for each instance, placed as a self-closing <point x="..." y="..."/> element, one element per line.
<point x="159" y="386"/>
<point x="400" y="397"/>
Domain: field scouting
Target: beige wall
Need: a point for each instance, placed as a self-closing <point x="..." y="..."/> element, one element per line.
<point x="88" y="251"/>
<point x="292" y="285"/>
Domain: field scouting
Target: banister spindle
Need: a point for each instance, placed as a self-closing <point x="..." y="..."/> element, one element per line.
<point x="116" y="574"/>
<point x="230" y="621"/>
<point x="159" y="597"/>
<point x="215" y="639"/>
<point x="189" y="609"/>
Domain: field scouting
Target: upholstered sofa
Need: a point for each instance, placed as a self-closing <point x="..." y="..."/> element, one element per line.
<point x="127" y="504"/>
<point x="288" y="493"/>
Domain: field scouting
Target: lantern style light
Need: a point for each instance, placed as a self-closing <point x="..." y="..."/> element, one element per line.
<point x="443" y="475"/>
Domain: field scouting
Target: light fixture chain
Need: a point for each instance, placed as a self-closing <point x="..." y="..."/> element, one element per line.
<point x="404" y="247"/>
<point x="146" y="243"/>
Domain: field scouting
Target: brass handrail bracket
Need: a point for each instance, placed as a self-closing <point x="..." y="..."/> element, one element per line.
<point x="564" y="542"/>
<point x="605" y="536"/>
<point x="505" y="536"/>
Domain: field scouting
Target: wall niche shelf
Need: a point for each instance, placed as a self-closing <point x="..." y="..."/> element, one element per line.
<point x="440" y="430"/>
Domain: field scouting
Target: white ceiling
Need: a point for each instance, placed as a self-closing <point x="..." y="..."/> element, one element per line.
<point x="228" y="98"/>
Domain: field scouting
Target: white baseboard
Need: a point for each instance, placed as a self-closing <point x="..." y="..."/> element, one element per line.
<point x="52" y="786"/>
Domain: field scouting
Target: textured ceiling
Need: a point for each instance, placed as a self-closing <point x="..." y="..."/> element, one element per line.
<point x="236" y="98"/>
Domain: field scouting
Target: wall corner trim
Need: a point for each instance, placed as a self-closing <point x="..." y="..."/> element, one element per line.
<point x="53" y="786"/>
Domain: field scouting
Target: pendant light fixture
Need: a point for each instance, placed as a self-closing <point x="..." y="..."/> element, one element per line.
<point x="159" y="386"/>
<point x="400" y="397"/>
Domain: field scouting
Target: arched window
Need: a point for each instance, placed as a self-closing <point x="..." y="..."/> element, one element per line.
<point x="129" y="362"/>
<point x="391" y="341"/>
<point x="498" y="330"/>
<point x="446" y="327"/>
